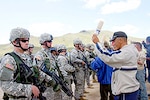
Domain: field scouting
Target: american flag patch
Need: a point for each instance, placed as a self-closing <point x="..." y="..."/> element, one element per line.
<point x="9" y="66"/>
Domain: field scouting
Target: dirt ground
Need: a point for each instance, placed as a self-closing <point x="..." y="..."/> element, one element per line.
<point x="93" y="93"/>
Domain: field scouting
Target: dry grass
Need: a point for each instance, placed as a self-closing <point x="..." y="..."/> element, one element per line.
<point x="67" y="40"/>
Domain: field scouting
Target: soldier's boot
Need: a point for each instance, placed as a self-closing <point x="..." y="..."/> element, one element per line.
<point x="90" y="87"/>
<point x="81" y="98"/>
<point x="5" y="97"/>
<point x="83" y="95"/>
<point x="86" y="91"/>
<point x="94" y="81"/>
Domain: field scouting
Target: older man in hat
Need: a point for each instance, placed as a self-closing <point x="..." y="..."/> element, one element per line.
<point x="124" y="61"/>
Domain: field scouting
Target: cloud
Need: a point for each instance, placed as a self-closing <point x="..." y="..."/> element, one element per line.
<point x="54" y="28"/>
<point x="148" y="14"/>
<point x="129" y="29"/>
<point x="94" y="3"/>
<point x="121" y="6"/>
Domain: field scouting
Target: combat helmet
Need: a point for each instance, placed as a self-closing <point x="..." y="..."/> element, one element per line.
<point x="77" y="41"/>
<point x="88" y="46"/>
<point x="92" y="47"/>
<point x="45" y="37"/>
<point x="52" y="49"/>
<point x="148" y="39"/>
<point x="61" y="47"/>
<point x="17" y="33"/>
<point x="31" y="46"/>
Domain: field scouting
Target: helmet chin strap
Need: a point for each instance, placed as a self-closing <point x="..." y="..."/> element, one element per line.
<point x="18" y="42"/>
<point x="16" y="45"/>
<point x="46" y="45"/>
<point x="23" y="49"/>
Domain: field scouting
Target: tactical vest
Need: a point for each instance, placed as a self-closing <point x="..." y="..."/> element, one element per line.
<point x="23" y="73"/>
<point x="48" y="64"/>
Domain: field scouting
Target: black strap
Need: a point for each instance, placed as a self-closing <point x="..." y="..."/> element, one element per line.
<point x="19" y="62"/>
<point x="124" y="69"/>
<point x="16" y="57"/>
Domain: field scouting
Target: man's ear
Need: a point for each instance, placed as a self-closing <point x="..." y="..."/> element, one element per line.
<point x="17" y="41"/>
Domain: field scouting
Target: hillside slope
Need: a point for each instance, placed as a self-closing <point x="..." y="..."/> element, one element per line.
<point x="67" y="39"/>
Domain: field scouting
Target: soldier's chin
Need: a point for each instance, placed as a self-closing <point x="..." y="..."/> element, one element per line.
<point x="24" y="49"/>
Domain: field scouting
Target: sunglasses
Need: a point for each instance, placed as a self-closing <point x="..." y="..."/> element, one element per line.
<point x="64" y="50"/>
<point x="24" y="41"/>
<point x="49" y="41"/>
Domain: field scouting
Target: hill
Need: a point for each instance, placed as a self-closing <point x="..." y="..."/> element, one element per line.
<point x="67" y="39"/>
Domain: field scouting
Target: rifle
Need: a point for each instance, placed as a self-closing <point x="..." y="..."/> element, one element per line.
<point x="57" y="79"/>
<point x="86" y="62"/>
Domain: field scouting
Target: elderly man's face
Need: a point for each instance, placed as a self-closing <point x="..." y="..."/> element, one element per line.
<point x="116" y="43"/>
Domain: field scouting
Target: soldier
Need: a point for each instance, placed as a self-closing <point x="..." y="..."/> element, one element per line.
<point x="79" y="64"/>
<point x="44" y="56"/>
<point x="84" y="58"/>
<point x="90" y="56"/>
<point x="30" y="51"/>
<point x="53" y="51"/>
<point x="15" y="69"/>
<point x="54" y="56"/>
<point x="65" y="68"/>
<point x="93" y="55"/>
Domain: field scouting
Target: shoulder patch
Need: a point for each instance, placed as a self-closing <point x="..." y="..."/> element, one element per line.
<point x="9" y="66"/>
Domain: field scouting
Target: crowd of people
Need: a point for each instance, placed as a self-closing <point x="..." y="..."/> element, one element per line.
<point x="22" y="76"/>
<point x="49" y="73"/>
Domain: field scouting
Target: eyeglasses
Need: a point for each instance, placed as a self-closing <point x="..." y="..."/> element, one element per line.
<point x="24" y="41"/>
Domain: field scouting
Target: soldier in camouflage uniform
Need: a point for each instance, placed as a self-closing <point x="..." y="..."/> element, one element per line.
<point x="30" y="51"/>
<point x="65" y="68"/>
<point x="79" y="64"/>
<point x="44" y="56"/>
<point x="90" y="56"/>
<point x="84" y="58"/>
<point x="54" y="55"/>
<point x="11" y="81"/>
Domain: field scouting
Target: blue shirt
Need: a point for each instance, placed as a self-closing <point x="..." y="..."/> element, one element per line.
<point x="104" y="71"/>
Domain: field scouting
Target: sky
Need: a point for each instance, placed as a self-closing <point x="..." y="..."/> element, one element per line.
<point x="59" y="17"/>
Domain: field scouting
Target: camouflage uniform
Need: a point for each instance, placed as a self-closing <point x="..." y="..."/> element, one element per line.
<point x="8" y="70"/>
<point x="90" y="56"/>
<point x="76" y="59"/>
<point x="7" y="84"/>
<point x="57" y="94"/>
<point x="66" y="70"/>
<point x="29" y="52"/>
<point x="84" y="58"/>
<point x="44" y="56"/>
